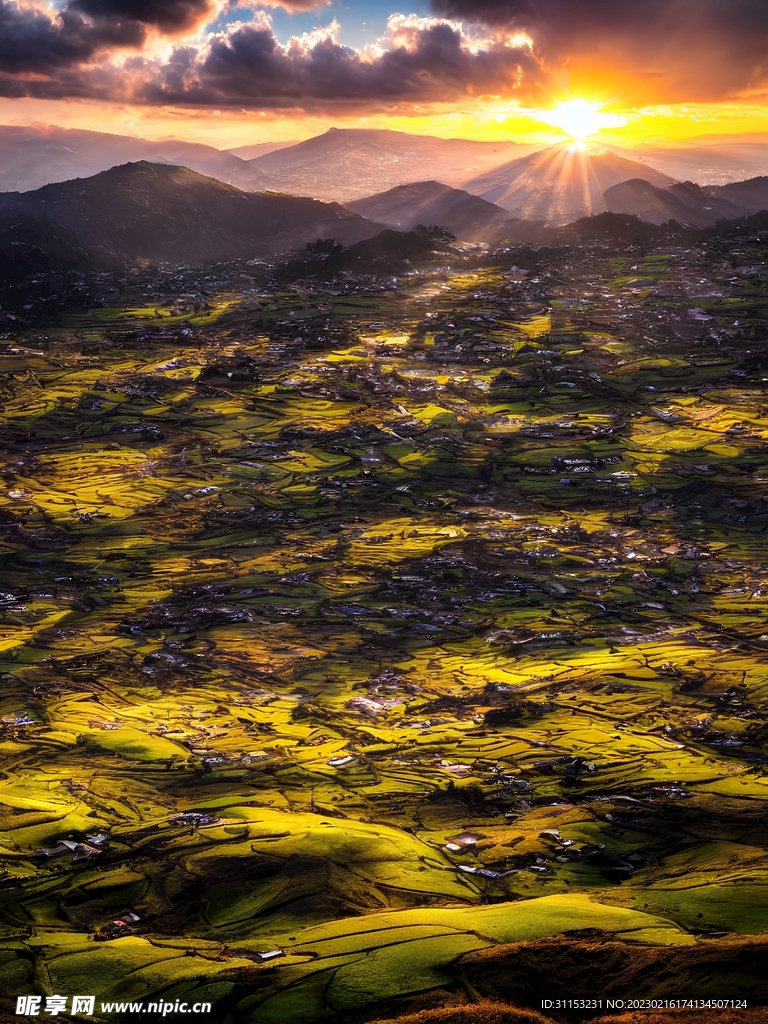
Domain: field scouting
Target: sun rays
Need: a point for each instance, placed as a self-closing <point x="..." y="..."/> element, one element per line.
<point x="580" y="119"/>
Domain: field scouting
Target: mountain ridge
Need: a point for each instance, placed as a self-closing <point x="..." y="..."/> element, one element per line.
<point x="166" y="214"/>
<point x="173" y="214"/>
<point x="687" y="202"/>
<point x="468" y="217"/>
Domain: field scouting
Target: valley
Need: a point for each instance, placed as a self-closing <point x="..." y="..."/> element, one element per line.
<point x="383" y="626"/>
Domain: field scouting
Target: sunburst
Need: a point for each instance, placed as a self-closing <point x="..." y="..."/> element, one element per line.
<point x="580" y="118"/>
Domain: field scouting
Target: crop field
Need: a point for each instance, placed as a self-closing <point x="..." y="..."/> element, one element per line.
<point x="399" y="631"/>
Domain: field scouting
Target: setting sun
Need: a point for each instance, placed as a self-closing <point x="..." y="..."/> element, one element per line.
<point x="581" y="118"/>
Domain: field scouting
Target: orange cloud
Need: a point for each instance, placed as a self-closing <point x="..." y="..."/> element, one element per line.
<point x="650" y="51"/>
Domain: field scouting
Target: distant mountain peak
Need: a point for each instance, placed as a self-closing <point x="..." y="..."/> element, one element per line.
<point x="559" y="184"/>
<point x="348" y="164"/>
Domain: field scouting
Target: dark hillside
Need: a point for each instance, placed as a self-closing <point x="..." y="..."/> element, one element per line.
<point x="468" y="217"/>
<point x="172" y="214"/>
<point x="614" y="226"/>
<point x="47" y="245"/>
<point x="751" y="195"/>
<point x="685" y="202"/>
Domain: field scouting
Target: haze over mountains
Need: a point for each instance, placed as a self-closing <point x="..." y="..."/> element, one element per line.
<point x="31" y="157"/>
<point x="159" y="207"/>
<point x="339" y="165"/>
<point x="708" y="159"/>
<point x="260" y="149"/>
<point x="349" y="163"/>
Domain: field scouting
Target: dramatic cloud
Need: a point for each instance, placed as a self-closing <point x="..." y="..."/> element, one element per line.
<point x="422" y="60"/>
<point x="426" y="63"/>
<point x="639" y="51"/>
<point x="31" y="42"/>
<point x="169" y="16"/>
<point x="43" y="42"/>
<point x="684" y="49"/>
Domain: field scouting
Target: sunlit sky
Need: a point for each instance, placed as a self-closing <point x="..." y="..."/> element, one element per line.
<point x="237" y="72"/>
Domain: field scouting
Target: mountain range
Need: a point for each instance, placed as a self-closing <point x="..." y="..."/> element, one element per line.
<point x="151" y="209"/>
<point x="555" y="185"/>
<point x="339" y="165"/>
<point x="161" y="213"/>
<point x="688" y="202"/>
<point x="34" y="156"/>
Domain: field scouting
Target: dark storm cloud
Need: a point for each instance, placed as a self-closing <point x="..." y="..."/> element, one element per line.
<point x="702" y="48"/>
<point x="167" y="15"/>
<point x="41" y="42"/>
<point x="32" y="42"/>
<point x="559" y="19"/>
<point x="56" y="45"/>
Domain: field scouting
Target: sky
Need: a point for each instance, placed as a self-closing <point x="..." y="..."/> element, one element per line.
<point x="238" y="72"/>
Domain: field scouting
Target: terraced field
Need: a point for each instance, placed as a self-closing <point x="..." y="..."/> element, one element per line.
<point x="410" y="634"/>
